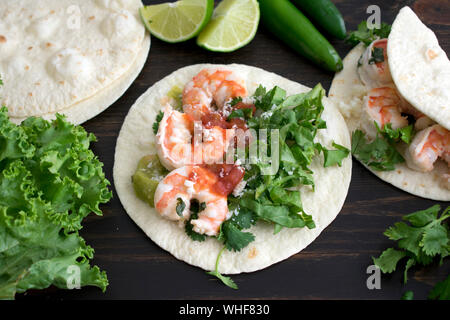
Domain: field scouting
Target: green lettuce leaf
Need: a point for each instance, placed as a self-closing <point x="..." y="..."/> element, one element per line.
<point x="49" y="182"/>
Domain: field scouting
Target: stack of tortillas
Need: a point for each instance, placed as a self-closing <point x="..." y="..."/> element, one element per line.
<point x="74" y="57"/>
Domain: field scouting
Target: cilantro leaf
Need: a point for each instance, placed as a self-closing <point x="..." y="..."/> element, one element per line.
<point x="271" y="98"/>
<point x="377" y="55"/>
<point x="441" y="291"/>
<point x="388" y="260"/>
<point x="195" y="209"/>
<point x="244" y="219"/>
<point x="244" y="113"/>
<point x="424" y="237"/>
<point x="159" y="117"/>
<point x="235" y="101"/>
<point x="233" y="237"/>
<point x="366" y="35"/>
<point x="180" y="207"/>
<point x="404" y="134"/>
<point x="333" y="157"/>
<point x="380" y="154"/>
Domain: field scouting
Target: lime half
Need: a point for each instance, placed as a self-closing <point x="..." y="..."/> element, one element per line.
<point x="177" y="21"/>
<point x="233" y="25"/>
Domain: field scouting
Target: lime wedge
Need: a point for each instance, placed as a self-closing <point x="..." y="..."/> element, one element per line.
<point x="233" y="25"/>
<point x="177" y="21"/>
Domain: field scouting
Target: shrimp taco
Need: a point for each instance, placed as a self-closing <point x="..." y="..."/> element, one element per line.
<point x="184" y="177"/>
<point x="394" y="95"/>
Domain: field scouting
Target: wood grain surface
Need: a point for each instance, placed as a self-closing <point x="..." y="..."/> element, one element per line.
<point x="332" y="267"/>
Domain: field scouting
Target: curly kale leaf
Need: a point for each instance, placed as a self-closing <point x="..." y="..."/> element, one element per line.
<point x="49" y="182"/>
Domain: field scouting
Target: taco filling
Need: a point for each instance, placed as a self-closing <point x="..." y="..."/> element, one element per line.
<point x="211" y="188"/>
<point x="386" y="113"/>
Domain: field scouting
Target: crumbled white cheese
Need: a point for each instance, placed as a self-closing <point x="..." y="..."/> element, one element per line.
<point x="208" y="135"/>
<point x="266" y="114"/>
<point x="239" y="189"/>
<point x="190" y="186"/>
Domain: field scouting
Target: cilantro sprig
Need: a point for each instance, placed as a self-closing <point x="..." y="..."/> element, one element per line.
<point x="421" y="238"/>
<point x="366" y="35"/>
<point x="226" y="280"/>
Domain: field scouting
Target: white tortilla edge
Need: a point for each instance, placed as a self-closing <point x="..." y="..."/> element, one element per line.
<point x="419" y="67"/>
<point x="89" y="108"/>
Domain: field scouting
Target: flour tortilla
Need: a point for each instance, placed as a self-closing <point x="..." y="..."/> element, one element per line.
<point x="347" y="91"/>
<point x="136" y="139"/>
<point x="49" y="63"/>
<point x="419" y="67"/>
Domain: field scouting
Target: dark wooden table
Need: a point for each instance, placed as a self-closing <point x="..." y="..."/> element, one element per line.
<point x="332" y="267"/>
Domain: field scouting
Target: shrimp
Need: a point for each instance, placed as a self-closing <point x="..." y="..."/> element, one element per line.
<point x="382" y="105"/>
<point x="174" y="194"/>
<point x="208" y="86"/>
<point x="385" y="105"/>
<point x="373" y="67"/>
<point x="427" y="146"/>
<point x="181" y="141"/>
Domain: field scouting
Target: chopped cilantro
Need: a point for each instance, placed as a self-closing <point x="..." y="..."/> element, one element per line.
<point x="333" y="157"/>
<point x="298" y="118"/>
<point x="159" y="117"/>
<point x="235" y="101"/>
<point x="244" y="113"/>
<point x="267" y="100"/>
<point x="404" y="134"/>
<point x="195" y="208"/>
<point x="180" y="207"/>
<point x="379" y="155"/>
<point x="377" y="55"/>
